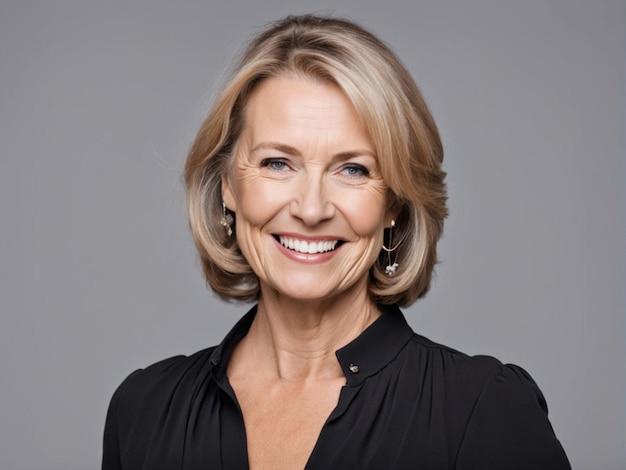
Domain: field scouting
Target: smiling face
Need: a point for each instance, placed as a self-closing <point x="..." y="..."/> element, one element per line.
<point x="310" y="202"/>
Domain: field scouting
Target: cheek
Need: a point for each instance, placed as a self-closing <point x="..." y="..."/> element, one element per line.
<point x="365" y="211"/>
<point x="259" y="201"/>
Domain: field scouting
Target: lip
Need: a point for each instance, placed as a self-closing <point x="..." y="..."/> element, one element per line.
<point x="311" y="258"/>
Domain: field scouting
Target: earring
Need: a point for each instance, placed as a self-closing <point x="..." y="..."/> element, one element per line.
<point x="390" y="269"/>
<point x="226" y="220"/>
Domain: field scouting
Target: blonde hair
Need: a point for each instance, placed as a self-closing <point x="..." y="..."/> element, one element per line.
<point x="400" y="127"/>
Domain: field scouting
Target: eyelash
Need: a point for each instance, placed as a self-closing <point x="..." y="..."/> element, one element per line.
<point x="351" y="170"/>
<point x="272" y="162"/>
<point x="353" y="166"/>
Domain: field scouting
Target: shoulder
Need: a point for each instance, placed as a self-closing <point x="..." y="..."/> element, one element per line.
<point x="474" y="381"/>
<point x="149" y="389"/>
<point x="161" y="376"/>
<point x="458" y="370"/>
<point x="480" y="373"/>
<point x="155" y="386"/>
<point x="497" y="409"/>
<point x="141" y="403"/>
<point x="509" y="426"/>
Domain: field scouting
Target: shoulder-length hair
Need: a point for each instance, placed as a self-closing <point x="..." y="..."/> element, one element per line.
<point x="400" y="126"/>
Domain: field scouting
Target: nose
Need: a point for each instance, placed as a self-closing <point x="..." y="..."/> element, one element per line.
<point x="312" y="204"/>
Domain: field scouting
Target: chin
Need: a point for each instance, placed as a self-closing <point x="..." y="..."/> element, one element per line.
<point x="310" y="289"/>
<point x="306" y="294"/>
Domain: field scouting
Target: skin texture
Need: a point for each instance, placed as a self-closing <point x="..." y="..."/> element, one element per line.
<point x="298" y="171"/>
<point x="304" y="169"/>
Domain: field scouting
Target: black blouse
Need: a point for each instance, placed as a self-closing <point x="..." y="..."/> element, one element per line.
<point x="408" y="403"/>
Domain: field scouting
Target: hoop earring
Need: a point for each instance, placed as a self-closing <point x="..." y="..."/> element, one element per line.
<point x="390" y="269"/>
<point x="227" y="220"/>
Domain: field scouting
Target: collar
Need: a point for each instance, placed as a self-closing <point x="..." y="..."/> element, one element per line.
<point x="376" y="347"/>
<point x="363" y="357"/>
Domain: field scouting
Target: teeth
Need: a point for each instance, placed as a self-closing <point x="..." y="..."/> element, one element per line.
<point x="303" y="246"/>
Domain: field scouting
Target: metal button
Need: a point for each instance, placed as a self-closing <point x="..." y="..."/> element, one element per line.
<point x="353" y="368"/>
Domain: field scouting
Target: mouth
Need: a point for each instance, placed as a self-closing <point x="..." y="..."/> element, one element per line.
<point x="310" y="247"/>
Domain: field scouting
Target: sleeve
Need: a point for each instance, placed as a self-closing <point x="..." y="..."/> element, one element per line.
<point x="509" y="427"/>
<point x="111" y="456"/>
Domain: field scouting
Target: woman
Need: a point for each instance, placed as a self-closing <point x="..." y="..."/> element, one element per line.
<point x="315" y="189"/>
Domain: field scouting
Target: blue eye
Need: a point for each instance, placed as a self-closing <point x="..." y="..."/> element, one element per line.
<point x="355" y="170"/>
<point x="275" y="164"/>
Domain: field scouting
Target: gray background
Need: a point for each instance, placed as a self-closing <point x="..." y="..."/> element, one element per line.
<point x="98" y="275"/>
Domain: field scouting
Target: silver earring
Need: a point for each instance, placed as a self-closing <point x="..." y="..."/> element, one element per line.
<point x="390" y="269"/>
<point x="227" y="220"/>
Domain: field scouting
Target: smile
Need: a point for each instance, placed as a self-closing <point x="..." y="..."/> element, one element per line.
<point x="308" y="247"/>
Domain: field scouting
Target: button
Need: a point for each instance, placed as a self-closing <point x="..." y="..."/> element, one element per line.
<point x="354" y="368"/>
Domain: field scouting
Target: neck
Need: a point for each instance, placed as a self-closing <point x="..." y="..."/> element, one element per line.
<point x="295" y="340"/>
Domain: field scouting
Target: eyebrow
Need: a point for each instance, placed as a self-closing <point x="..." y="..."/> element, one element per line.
<point x="289" y="150"/>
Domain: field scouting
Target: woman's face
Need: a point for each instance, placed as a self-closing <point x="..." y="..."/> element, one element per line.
<point x="309" y="198"/>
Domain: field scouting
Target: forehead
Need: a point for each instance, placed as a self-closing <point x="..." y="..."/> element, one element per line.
<point x="301" y="104"/>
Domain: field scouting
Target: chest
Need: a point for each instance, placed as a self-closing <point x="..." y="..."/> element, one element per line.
<point x="390" y="420"/>
<point x="283" y="422"/>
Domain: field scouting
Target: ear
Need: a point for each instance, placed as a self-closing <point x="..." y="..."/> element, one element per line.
<point x="228" y="195"/>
